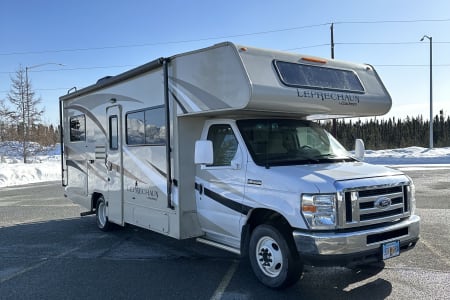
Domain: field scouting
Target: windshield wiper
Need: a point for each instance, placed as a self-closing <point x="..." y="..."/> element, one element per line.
<point x="291" y="162"/>
<point x="333" y="157"/>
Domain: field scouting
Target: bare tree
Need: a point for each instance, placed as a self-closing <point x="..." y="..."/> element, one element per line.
<point x="25" y="112"/>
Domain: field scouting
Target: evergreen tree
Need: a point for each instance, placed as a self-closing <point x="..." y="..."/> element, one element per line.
<point x="26" y="111"/>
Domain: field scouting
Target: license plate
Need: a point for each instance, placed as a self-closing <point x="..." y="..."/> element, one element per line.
<point x="391" y="249"/>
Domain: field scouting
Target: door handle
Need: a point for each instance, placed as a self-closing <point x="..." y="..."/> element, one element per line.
<point x="199" y="188"/>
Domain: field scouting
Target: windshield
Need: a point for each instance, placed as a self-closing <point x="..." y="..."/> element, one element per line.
<point x="276" y="142"/>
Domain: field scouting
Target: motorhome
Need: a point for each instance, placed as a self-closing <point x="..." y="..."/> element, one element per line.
<point x="220" y="144"/>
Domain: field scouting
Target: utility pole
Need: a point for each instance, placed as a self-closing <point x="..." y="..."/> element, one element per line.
<point x="334" y="126"/>
<point x="332" y="40"/>
<point x="431" y="87"/>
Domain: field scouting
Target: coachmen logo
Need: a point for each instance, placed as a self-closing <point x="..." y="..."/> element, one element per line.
<point x="383" y="202"/>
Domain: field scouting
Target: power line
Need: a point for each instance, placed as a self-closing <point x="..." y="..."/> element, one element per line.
<point x="366" y="43"/>
<point x="74" y="69"/>
<point x="306" y="47"/>
<point x="219" y="37"/>
<point x="392" y="21"/>
<point x="387" y="43"/>
<point x="408" y="65"/>
<point x="42" y="89"/>
<point x="163" y="43"/>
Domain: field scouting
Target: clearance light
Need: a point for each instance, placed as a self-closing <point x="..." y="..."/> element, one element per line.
<point x="314" y="60"/>
<point x="243" y="49"/>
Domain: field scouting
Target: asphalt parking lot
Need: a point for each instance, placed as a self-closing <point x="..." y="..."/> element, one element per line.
<point x="48" y="252"/>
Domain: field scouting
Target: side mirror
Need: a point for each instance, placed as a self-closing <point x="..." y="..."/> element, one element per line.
<point x="359" y="149"/>
<point x="203" y="153"/>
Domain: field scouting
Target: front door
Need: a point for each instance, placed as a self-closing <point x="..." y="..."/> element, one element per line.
<point x="114" y="164"/>
<point x="220" y="187"/>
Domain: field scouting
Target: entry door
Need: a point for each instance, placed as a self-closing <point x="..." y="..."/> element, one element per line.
<point x="220" y="187"/>
<point x="114" y="164"/>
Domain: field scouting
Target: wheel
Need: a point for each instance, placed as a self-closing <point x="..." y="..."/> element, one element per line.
<point x="101" y="216"/>
<point x="273" y="257"/>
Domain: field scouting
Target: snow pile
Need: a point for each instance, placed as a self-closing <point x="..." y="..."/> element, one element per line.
<point x="410" y="155"/>
<point x="45" y="163"/>
<point x="20" y="173"/>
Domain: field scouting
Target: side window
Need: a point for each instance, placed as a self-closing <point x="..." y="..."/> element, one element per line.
<point x="78" y="128"/>
<point x="113" y="133"/>
<point x="135" y="128"/>
<point x="224" y="144"/>
<point x="155" y="126"/>
<point x="146" y="127"/>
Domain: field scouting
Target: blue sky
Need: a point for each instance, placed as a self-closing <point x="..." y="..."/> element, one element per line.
<point x="97" y="38"/>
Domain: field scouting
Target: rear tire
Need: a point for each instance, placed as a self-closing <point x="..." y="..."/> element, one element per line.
<point x="273" y="257"/>
<point x="101" y="215"/>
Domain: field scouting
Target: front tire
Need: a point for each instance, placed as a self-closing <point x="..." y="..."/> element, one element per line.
<point x="101" y="215"/>
<point x="273" y="258"/>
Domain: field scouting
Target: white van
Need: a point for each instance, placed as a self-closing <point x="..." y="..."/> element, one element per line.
<point x="217" y="144"/>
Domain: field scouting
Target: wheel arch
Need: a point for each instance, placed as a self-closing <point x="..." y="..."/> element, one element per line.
<point x="260" y="216"/>
<point x="94" y="199"/>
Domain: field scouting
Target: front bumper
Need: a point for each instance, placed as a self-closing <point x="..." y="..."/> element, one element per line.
<point x="355" y="247"/>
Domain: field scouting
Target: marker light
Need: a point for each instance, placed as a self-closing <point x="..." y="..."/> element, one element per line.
<point x="314" y="60"/>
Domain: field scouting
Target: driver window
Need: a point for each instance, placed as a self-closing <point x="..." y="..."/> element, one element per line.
<point x="224" y="144"/>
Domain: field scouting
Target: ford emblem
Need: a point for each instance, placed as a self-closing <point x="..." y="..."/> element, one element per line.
<point x="383" y="202"/>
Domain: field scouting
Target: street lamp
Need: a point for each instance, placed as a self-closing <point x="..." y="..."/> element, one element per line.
<point x="36" y="66"/>
<point x="431" y="87"/>
<point x="25" y="106"/>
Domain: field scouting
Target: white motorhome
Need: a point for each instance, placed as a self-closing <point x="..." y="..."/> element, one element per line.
<point x="217" y="144"/>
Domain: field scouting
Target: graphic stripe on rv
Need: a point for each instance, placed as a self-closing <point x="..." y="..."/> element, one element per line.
<point x="233" y="205"/>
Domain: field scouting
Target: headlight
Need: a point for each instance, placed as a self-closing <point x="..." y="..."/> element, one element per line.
<point x="319" y="210"/>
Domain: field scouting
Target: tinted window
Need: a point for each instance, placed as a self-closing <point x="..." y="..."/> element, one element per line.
<point x="135" y="128"/>
<point x="224" y="144"/>
<point x="290" y="142"/>
<point x="113" y="133"/>
<point x="78" y="128"/>
<point x="146" y="127"/>
<point x="307" y="76"/>
<point x="155" y="126"/>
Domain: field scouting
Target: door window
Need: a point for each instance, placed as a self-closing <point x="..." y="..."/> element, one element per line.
<point x="224" y="144"/>
<point x="113" y="133"/>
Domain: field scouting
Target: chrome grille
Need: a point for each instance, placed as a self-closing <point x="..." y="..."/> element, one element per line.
<point x="368" y="205"/>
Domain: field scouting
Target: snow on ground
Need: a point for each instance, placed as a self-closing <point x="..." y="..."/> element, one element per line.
<point x="45" y="164"/>
<point x="410" y="155"/>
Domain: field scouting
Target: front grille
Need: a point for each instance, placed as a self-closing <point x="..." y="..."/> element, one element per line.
<point x="367" y="206"/>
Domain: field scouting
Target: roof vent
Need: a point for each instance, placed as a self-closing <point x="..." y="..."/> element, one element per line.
<point x="103" y="79"/>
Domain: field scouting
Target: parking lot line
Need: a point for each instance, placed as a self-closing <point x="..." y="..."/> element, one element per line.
<point x="218" y="293"/>
<point x="435" y="251"/>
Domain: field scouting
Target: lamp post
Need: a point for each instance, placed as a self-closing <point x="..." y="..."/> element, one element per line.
<point x="431" y="87"/>
<point x="26" y="108"/>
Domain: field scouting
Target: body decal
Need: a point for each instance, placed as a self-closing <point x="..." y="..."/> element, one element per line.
<point x="231" y="204"/>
